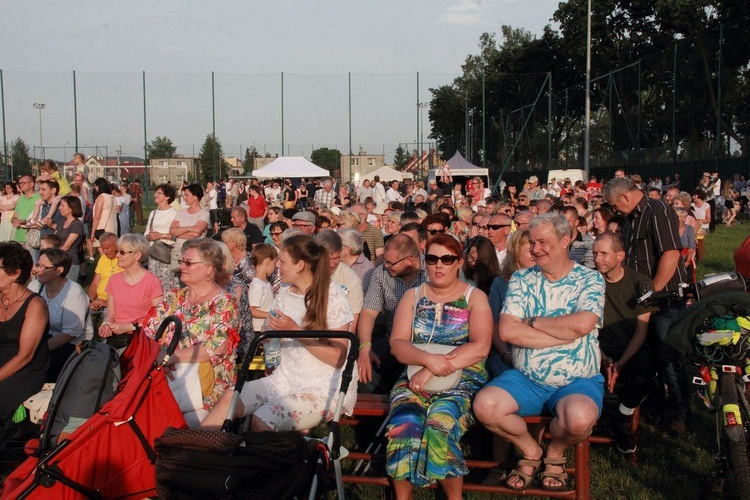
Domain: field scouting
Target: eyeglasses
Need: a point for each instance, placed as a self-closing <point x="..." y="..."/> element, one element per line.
<point x="497" y="227"/>
<point x="447" y="260"/>
<point x="274" y="233"/>
<point x="482" y="226"/>
<point x="391" y="264"/>
<point x="41" y="266"/>
<point x="299" y="226"/>
<point x="123" y="252"/>
<point x="189" y="263"/>
<point x="433" y="232"/>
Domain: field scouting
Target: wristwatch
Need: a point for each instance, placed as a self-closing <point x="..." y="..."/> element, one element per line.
<point x="531" y="321"/>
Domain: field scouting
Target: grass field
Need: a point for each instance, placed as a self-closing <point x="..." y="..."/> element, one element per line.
<point x="669" y="467"/>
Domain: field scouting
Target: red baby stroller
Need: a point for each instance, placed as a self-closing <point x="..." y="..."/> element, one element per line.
<point x="111" y="455"/>
<point x="197" y="464"/>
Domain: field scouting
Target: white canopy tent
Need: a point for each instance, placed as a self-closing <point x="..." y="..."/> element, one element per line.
<point x="291" y="167"/>
<point x="385" y="173"/>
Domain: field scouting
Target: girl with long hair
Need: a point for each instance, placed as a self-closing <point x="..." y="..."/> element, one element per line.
<point x="480" y="265"/>
<point x="302" y="391"/>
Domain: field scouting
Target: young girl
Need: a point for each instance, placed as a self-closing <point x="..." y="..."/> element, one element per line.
<point x="303" y="390"/>
<point x="260" y="292"/>
<point x="48" y="172"/>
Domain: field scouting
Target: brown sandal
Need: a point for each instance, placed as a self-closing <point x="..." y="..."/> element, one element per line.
<point x="562" y="477"/>
<point x="526" y="478"/>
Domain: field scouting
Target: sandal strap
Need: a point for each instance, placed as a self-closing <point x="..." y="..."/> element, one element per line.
<point x="560" y="476"/>
<point x="525" y="462"/>
<point x="555" y="461"/>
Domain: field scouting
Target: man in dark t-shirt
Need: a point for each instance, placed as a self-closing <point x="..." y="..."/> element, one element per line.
<point x="625" y="356"/>
<point x="434" y="191"/>
<point x="239" y="220"/>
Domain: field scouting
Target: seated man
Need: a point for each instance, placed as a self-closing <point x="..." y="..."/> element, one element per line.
<point x="551" y="316"/>
<point x="625" y="356"/>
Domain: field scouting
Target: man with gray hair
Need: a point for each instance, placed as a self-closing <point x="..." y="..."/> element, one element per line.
<point x="324" y="197"/>
<point x="341" y="274"/>
<point x="353" y="244"/>
<point x="652" y="247"/>
<point x="551" y="317"/>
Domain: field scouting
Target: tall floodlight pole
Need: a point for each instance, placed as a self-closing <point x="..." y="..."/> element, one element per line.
<point x="587" y="129"/>
<point x="421" y="105"/>
<point x="40" y="106"/>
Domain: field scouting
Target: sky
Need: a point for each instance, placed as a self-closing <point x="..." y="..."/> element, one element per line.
<point x="315" y="43"/>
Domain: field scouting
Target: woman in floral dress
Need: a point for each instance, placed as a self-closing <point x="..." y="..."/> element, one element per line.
<point x="209" y="319"/>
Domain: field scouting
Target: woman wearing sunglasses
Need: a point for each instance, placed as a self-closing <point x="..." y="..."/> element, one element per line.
<point x="425" y="416"/>
<point x="210" y="322"/>
<point x="131" y="293"/>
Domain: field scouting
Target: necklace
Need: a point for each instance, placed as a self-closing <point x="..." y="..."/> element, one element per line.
<point x="199" y="298"/>
<point x="7" y="306"/>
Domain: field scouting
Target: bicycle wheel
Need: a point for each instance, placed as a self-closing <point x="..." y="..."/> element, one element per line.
<point x="735" y="440"/>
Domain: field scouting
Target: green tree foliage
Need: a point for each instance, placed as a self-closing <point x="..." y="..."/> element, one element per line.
<point x="161" y="147"/>
<point x="212" y="163"/>
<point x="400" y="158"/>
<point x="248" y="164"/>
<point x="19" y="158"/>
<point x="329" y="159"/>
<point x="633" y="47"/>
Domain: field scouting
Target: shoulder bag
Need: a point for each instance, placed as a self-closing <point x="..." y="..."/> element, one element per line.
<point x="158" y="250"/>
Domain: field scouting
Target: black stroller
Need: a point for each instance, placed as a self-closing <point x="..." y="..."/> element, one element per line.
<point x="258" y="465"/>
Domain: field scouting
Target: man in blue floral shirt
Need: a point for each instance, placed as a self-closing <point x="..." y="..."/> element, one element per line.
<point x="551" y="317"/>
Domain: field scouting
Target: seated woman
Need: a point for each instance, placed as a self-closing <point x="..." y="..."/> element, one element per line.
<point x="24" y="323"/>
<point x="72" y="233"/>
<point x="131" y="293"/>
<point x="68" y="306"/>
<point x="448" y="312"/>
<point x="209" y="320"/>
<point x="238" y="289"/>
<point x="303" y="389"/>
<point x="480" y="263"/>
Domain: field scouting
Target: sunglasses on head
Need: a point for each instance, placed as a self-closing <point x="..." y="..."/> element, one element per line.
<point x="433" y="232"/>
<point x="447" y="260"/>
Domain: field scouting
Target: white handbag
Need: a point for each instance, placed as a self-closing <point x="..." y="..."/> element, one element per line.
<point x="186" y="386"/>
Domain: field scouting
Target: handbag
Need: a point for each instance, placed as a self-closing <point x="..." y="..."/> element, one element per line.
<point x="158" y="250"/>
<point x="436" y="384"/>
<point x="33" y="238"/>
<point x="186" y="386"/>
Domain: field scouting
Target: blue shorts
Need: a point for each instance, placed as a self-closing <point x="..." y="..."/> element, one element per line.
<point x="535" y="399"/>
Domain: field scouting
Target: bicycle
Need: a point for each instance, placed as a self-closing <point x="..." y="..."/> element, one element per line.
<point x="714" y="333"/>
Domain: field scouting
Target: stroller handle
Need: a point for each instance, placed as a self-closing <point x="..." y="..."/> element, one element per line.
<point x="175" y="338"/>
<point x="346" y="376"/>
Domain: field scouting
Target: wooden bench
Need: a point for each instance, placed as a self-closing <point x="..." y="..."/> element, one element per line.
<point x="377" y="405"/>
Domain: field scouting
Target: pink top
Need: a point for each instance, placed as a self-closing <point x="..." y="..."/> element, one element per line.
<point x="133" y="302"/>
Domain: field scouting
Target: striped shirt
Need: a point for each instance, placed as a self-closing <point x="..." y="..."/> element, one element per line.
<point x="651" y="229"/>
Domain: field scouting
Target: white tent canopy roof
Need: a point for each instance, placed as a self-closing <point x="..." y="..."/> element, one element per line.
<point x="292" y="167"/>
<point x="385" y="173"/>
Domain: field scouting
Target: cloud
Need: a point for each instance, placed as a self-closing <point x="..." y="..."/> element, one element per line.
<point x="463" y="13"/>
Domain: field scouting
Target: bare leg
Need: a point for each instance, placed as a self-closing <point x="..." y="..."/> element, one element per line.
<point x="576" y="417"/>
<point x="403" y="489"/>
<point x="218" y="415"/>
<point x="496" y="409"/>
<point x="257" y="425"/>
<point x="452" y="487"/>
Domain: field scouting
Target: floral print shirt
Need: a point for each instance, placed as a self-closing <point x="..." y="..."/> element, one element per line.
<point x="209" y="324"/>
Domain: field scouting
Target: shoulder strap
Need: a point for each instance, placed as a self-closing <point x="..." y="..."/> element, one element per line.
<point x="417" y="295"/>
<point x="150" y="225"/>
<point x="467" y="293"/>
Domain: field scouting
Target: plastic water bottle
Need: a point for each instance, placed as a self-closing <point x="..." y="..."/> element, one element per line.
<point x="272" y="353"/>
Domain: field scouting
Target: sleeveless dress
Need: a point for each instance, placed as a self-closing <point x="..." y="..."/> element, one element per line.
<point x="7" y="206"/>
<point x="28" y="380"/>
<point x="108" y="220"/>
<point x="425" y="429"/>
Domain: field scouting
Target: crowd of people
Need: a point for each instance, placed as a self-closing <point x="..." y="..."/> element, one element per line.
<point x="467" y="307"/>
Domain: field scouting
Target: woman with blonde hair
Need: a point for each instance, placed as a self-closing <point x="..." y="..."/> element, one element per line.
<point x="209" y="321"/>
<point x="348" y="219"/>
<point x="236" y="241"/>
<point x="303" y="389"/>
<point x="238" y="289"/>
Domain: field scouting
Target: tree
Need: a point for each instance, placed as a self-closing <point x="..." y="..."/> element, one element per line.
<point x="161" y="147"/>
<point x="400" y="158"/>
<point x="212" y="164"/>
<point x="19" y="158"/>
<point x="329" y="159"/>
<point x="248" y="164"/>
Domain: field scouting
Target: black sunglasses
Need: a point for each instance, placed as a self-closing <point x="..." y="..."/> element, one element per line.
<point x="433" y="232"/>
<point x="447" y="260"/>
<point x="496" y="227"/>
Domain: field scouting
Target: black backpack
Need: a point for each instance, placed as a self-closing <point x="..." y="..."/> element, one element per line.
<point x="87" y="381"/>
